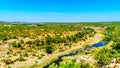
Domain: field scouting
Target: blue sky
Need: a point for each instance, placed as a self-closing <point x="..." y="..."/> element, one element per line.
<point x="59" y="10"/>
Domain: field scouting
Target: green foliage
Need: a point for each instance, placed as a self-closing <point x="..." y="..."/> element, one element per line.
<point x="39" y="56"/>
<point x="21" y="41"/>
<point x="85" y="65"/>
<point x="9" y="51"/>
<point x="16" y="44"/>
<point x="73" y="38"/>
<point x="70" y="63"/>
<point x="104" y="56"/>
<point x="116" y="46"/>
<point x="29" y="42"/>
<point x="4" y="39"/>
<point x="20" y="59"/>
<point x="25" y="54"/>
<point x="110" y="28"/>
<point x="37" y="41"/>
<point x="7" y="61"/>
<point x="53" y="66"/>
<point x="49" y="49"/>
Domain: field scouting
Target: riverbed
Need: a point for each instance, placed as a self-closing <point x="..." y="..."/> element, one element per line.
<point x="99" y="44"/>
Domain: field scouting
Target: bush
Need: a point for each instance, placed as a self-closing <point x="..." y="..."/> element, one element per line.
<point x="7" y="61"/>
<point x="85" y="65"/>
<point x="25" y="54"/>
<point x="39" y="56"/>
<point x="20" y="59"/>
<point x="15" y="44"/>
<point x="21" y="41"/>
<point x="29" y="42"/>
<point x="104" y="56"/>
<point x="9" y="52"/>
<point x="18" y="44"/>
<point x="49" y="49"/>
<point x="116" y="46"/>
<point x="38" y="42"/>
<point x="69" y="63"/>
<point x="4" y="39"/>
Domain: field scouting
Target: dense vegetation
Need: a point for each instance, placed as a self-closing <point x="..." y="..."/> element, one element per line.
<point x="106" y="54"/>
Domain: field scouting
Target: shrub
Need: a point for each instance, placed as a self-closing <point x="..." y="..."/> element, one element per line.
<point x="37" y="41"/>
<point x="20" y="59"/>
<point x="21" y="41"/>
<point x="25" y="54"/>
<point x="9" y="51"/>
<point x="116" y="46"/>
<point x="7" y="61"/>
<point x="69" y="63"/>
<point x="29" y="42"/>
<point x="104" y="56"/>
<point x="53" y="66"/>
<point x="49" y="49"/>
<point x="15" y="44"/>
<point x="4" y="39"/>
<point x="85" y="65"/>
<point x="39" y="56"/>
<point x="18" y="44"/>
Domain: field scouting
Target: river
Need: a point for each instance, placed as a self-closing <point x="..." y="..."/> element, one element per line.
<point x="99" y="44"/>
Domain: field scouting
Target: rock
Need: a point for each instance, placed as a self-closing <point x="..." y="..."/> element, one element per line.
<point x="115" y="63"/>
<point x="113" y="66"/>
<point x="118" y="60"/>
<point x="85" y="59"/>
